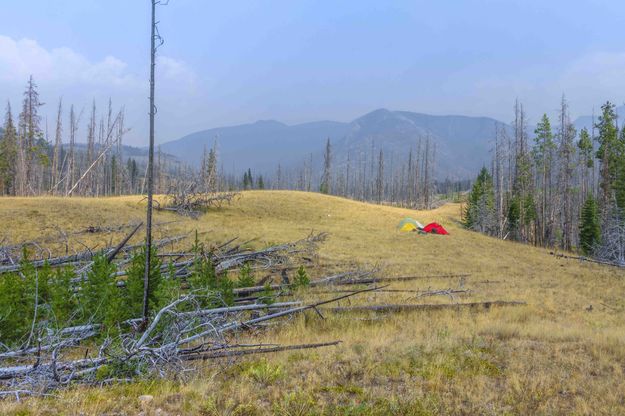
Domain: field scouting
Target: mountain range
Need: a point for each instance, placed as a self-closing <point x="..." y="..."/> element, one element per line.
<point x="462" y="142"/>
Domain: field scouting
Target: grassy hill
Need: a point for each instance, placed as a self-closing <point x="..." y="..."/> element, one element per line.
<point x="554" y="356"/>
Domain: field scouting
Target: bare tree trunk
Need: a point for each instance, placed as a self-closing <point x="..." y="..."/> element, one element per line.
<point x="150" y="173"/>
<point x="426" y="180"/>
<point x="71" y="165"/>
<point x="380" y="179"/>
<point x="56" y="168"/>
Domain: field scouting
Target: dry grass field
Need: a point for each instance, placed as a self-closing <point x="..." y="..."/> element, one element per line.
<point x="557" y="355"/>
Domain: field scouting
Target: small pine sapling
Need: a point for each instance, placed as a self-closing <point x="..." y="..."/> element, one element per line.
<point x="301" y="278"/>
<point x="267" y="296"/>
<point x="246" y="276"/>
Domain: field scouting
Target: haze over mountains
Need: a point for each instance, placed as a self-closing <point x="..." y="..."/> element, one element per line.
<point x="462" y="142"/>
<point x="587" y="121"/>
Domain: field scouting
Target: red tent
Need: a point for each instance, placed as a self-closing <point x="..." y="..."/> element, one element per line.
<point x="435" y="228"/>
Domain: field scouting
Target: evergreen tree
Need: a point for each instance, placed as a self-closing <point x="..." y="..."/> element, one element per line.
<point x="15" y="312"/>
<point x="63" y="301"/>
<point x="543" y="158"/>
<point x="567" y="165"/>
<point x="250" y="179"/>
<point x="301" y="278"/>
<point x="8" y="155"/>
<point x="584" y="146"/>
<point x="619" y="185"/>
<point x="99" y="291"/>
<point x="479" y="214"/>
<point x="246" y="181"/>
<point x="31" y="145"/>
<point x="514" y="216"/>
<point x="211" y="170"/>
<point x="260" y="183"/>
<point x="134" y="283"/>
<point x="523" y="178"/>
<point x="246" y="276"/>
<point x="589" y="229"/>
<point x="609" y="153"/>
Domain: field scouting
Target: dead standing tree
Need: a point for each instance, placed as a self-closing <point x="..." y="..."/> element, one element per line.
<point x="154" y="38"/>
<point x="612" y="246"/>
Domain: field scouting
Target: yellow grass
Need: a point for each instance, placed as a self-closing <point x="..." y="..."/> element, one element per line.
<point x="552" y="356"/>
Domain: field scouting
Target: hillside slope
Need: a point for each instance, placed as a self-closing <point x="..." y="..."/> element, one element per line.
<point x="554" y="356"/>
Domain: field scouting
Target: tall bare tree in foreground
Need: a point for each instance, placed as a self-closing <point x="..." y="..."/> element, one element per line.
<point x="150" y="170"/>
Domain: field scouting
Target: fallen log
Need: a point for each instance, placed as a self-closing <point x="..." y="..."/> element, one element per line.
<point x="85" y="256"/>
<point x="17" y="371"/>
<point x="229" y="309"/>
<point x="56" y="261"/>
<point x="588" y="259"/>
<point x="320" y="282"/>
<point x="399" y="279"/>
<point x="424" y="307"/>
<point x="121" y="245"/>
<point x="265" y="350"/>
<point x="418" y="292"/>
<point x="236" y="325"/>
<point x="232" y="326"/>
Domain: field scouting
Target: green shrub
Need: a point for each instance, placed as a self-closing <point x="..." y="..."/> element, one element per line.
<point x="267" y="296"/>
<point x="169" y="288"/>
<point x="246" y="276"/>
<point x="62" y="299"/>
<point x="301" y="278"/>
<point x="99" y="294"/>
<point x="264" y="372"/>
<point x="135" y="283"/>
<point x="15" y="311"/>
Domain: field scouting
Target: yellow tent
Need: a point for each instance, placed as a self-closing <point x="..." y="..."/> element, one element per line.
<point x="408" y="224"/>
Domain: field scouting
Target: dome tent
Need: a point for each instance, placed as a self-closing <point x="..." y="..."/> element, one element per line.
<point x="408" y="224"/>
<point x="435" y="228"/>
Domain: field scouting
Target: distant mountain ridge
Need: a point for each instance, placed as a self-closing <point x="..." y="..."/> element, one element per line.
<point x="587" y="121"/>
<point x="462" y="142"/>
<point x="259" y="146"/>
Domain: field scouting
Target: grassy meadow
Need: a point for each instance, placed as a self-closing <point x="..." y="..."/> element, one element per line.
<point x="562" y="353"/>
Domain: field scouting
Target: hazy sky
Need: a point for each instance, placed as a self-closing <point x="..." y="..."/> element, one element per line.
<point x="229" y="62"/>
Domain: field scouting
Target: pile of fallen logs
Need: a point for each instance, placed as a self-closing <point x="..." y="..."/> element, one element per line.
<point x="188" y="198"/>
<point x="186" y="330"/>
<point x="224" y="257"/>
<point x="178" y="333"/>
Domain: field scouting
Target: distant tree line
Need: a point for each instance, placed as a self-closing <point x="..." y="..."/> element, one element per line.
<point x="564" y="190"/>
<point x="365" y="175"/>
<point x="375" y="177"/>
